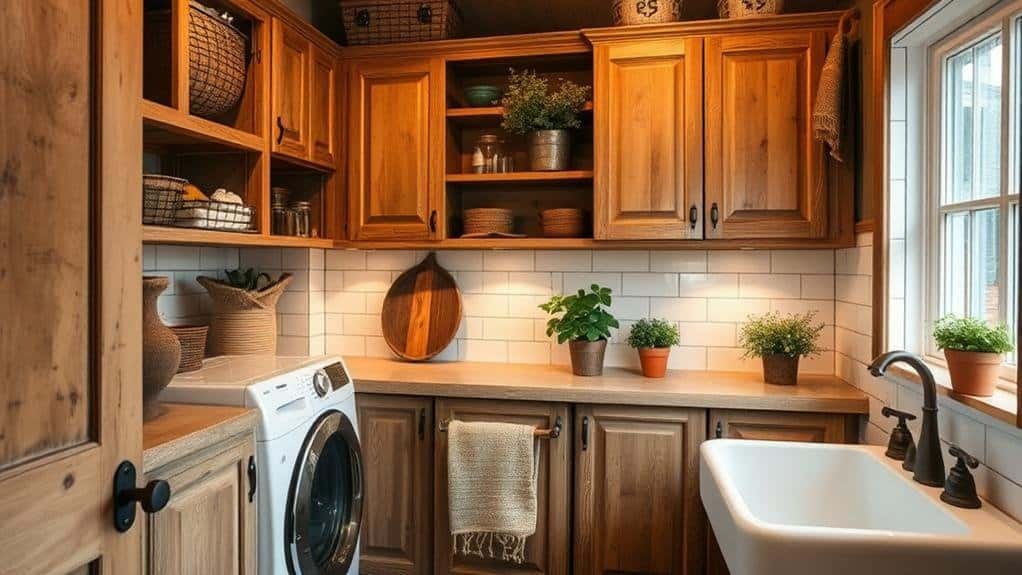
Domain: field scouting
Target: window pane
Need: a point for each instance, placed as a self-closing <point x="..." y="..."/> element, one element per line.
<point x="1013" y="263"/>
<point x="985" y="272"/>
<point x="956" y="240"/>
<point x="988" y="112"/>
<point x="958" y="127"/>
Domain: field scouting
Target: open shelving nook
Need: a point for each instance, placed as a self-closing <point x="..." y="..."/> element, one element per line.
<point x="231" y="150"/>
<point x="523" y="191"/>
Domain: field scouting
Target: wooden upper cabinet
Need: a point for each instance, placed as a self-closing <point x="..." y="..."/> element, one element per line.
<point x="395" y="149"/>
<point x="781" y="426"/>
<point x="290" y="68"/>
<point x="637" y="504"/>
<point x="765" y="175"/>
<point x="649" y="139"/>
<point x="548" y="549"/>
<point x="323" y="108"/>
<point x="397" y="438"/>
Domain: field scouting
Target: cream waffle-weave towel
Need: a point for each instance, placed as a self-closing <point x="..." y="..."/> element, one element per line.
<point x="828" y="115"/>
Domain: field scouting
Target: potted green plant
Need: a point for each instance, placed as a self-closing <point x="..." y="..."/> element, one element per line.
<point x="781" y="340"/>
<point x="654" y="338"/>
<point x="531" y="109"/>
<point x="583" y="321"/>
<point x="973" y="350"/>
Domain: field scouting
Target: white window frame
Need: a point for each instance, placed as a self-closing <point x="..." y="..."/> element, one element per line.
<point x="1005" y="18"/>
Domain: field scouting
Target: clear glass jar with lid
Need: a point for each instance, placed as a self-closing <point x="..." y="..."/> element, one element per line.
<point x="489" y="146"/>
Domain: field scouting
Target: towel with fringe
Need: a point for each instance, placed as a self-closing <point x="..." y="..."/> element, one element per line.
<point x="828" y="116"/>
<point x="491" y="483"/>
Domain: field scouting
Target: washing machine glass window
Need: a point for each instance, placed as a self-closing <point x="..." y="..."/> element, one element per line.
<point x="325" y="499"/>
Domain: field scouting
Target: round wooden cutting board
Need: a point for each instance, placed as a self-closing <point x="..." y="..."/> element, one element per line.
<point x="422" y="311"/>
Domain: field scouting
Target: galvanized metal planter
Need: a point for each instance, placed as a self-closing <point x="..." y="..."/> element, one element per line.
<point x="549" y="150"/>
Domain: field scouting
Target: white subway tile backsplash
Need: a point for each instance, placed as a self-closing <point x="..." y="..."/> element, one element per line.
<point x="678" y="261"/>
<point x="178" y="258"/>
<point x="576" y="281"/>
<point x="483" y="351"/>
<point x="774" y="286"/>
<point x="854" y="289"/>
<point x="564" y="261"/>
<point x="261" y="258"/>
<point x="708" y="285"/>
<point x="338" y="302"/>
<point x="744" y="261"/>
<point x="294" y="259"/>
<point x="620" y="261"/>
<point x="735" y="310"/>
<point x="399" y="260"/>
<point x="650" y="284"/>
<point x="362" y="324"/>
<point x="802" y="262"/>
<point x="345" y="260"/>
<point x="630" y="308"/>
<point x="705" y="334"/>
<point x="509" y="261"/>
<point x="507" y="329"/>
<point x="818" y="286"/>
<point x="366" y="281"/>
<point x="730" y="359"/>
<point x="528" y="352"/>
<point x="456" y="261"/>
<point x="678" y="309"/>
<point x="1004" y="453"/>
<point x="485" y="305"/>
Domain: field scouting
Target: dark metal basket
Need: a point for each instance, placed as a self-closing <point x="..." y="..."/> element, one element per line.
<point x="389" y="21"/>
<point x="161" y="198"/>
<point x="216" y="62"/>
<point x="209" y="215"/>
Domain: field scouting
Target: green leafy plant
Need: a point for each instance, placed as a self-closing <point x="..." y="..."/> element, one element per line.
<point x="971" y="334"/>
<point x="529" y="105"/>
<point x="654" y="333"/>
<point x="793" y="335"/>
<point x="580" y="317"/>
<point x="247" y="280"/>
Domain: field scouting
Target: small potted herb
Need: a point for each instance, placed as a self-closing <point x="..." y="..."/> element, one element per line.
<point x="973" y="351"/>
<point x="781" y="341"/>
<point x="244" y="318"/>
<point x="583" y="321"/>
<point x="654" y="338"/>
<point x="531" y="109"/>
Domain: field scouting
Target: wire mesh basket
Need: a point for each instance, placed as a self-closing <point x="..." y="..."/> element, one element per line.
<point x="161" y="198"/>
<point x="387" y="21"/>
<point x="208" y="215"/>
<point x="216" y="62"/>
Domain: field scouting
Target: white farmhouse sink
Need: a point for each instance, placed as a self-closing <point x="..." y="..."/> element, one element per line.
<point x="803" y="508"/>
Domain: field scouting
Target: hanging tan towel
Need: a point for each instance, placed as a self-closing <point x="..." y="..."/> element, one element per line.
<point x="828" y="116"/>
<point x="491" y="485"/>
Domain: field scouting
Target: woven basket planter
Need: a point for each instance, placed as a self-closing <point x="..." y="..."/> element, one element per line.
<point x="629" y="12"/>
<point x="747" y="8"/>
<point x="244" y="322"/>
<point x="489" y="221"/>
<point x="388" y="21"/>
<point x="193" y="345"/>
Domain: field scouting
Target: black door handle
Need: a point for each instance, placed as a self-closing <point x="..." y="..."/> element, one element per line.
<point x="432" y="221"/>
<point x="693" y="216"/>
<point x="585" y="433"/>
<point x="251" y="478"/>
<point x="280" y="129"/>
<point x="719" y="431"/>
<point x="153" y="497"/>
<point x="714" y="215"/>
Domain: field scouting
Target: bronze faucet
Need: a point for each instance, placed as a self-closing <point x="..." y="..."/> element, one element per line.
<point x="927" y="462"/>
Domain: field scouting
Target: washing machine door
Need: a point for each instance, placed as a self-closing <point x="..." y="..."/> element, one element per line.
<point x="324" y="511"/>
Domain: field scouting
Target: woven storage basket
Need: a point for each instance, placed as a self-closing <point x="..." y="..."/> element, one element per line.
<point x="388" y="21"/>
<point x="746" y="8"/>
<point x="489" y="221"/>
<point x="562" y="223"/>
<point x="161" y="197"/>
<point x="193" y="345"/>
<point x="244" y="322"/>
<point x="628" y="12"/>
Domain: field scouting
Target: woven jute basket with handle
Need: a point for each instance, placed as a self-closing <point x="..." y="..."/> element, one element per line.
<point x="244" y="322"/>
<point x="628" y="12"/>
<point x="747" y="8"/>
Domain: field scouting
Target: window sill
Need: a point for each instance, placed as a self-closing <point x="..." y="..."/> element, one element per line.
<point x="1002" y="405"/>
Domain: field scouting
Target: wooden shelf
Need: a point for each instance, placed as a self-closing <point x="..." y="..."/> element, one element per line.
<point x="521" y="177"/>
<point x="171" y="235"/>
<point x="485" y="114"/>
<point x="176" y="127"/>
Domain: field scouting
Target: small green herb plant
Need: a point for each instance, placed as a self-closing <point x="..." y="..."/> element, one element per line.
<point x="792" y="335"/>
<point x="529" y="105"/>
<point x="247" y="280"/>
<point x="580" y="317"/>
<point x="654" y="333"/>
<point x="971" y="334"/>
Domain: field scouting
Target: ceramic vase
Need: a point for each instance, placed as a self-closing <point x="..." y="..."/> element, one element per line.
<point x="161" y="350"/>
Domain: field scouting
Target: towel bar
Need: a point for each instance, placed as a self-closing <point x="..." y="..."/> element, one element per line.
<point x="552" y="433"/>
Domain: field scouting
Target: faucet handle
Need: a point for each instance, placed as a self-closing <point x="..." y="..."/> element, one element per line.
<point x="960" y="487"/>
<point x="901" y="442"/>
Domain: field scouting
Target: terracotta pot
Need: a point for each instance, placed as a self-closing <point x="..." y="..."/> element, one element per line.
<point x="654" y="361"/>
<point x="973" y="372"/>
<point x="587" y="357"/>
<point x="780" y="369"/>
<point x="161" y="350"/>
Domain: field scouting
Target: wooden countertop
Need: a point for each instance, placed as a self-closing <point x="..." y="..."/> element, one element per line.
<point x="188" y="428"/>
<point x="709" y="389"/>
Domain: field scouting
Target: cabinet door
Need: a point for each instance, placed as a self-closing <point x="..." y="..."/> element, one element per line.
<point x="649" y="140"/>
<point x="547" y="549"/>
<point x="323" y="106"/>
<point x="765" y="175"/>
<point x="637" y="506"/>
<point x="780" y="426"/>
<point x="209" y="524"/>
<point x="395" y="149"/>
<point x="290" y="67"/>
<point x="397" y="447"/>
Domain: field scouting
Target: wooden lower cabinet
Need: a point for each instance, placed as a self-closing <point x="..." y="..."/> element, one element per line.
<point x="637" y="506"/>
<point x="209" y="524"/>
<point x="396" y="433"/>
<point x="548" y="550"/>
<point x="774" y="426"/>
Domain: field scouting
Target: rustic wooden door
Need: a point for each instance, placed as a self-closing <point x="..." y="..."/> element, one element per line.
<point x="323" y="106"/>
<point x="397" y="520"/>
<point x="547" y="550"/>
<point x="395" y="149"/>
<point x="70" y="282"/>
<point x="649" y="140"/>
<point x="781" y="426"/>
<point x="637" y="506"/>
<point x="765" y="175"/>
<point x="290" y="68"/>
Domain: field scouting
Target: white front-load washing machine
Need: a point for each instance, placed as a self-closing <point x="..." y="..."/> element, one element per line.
<point x="309" y="460"/>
